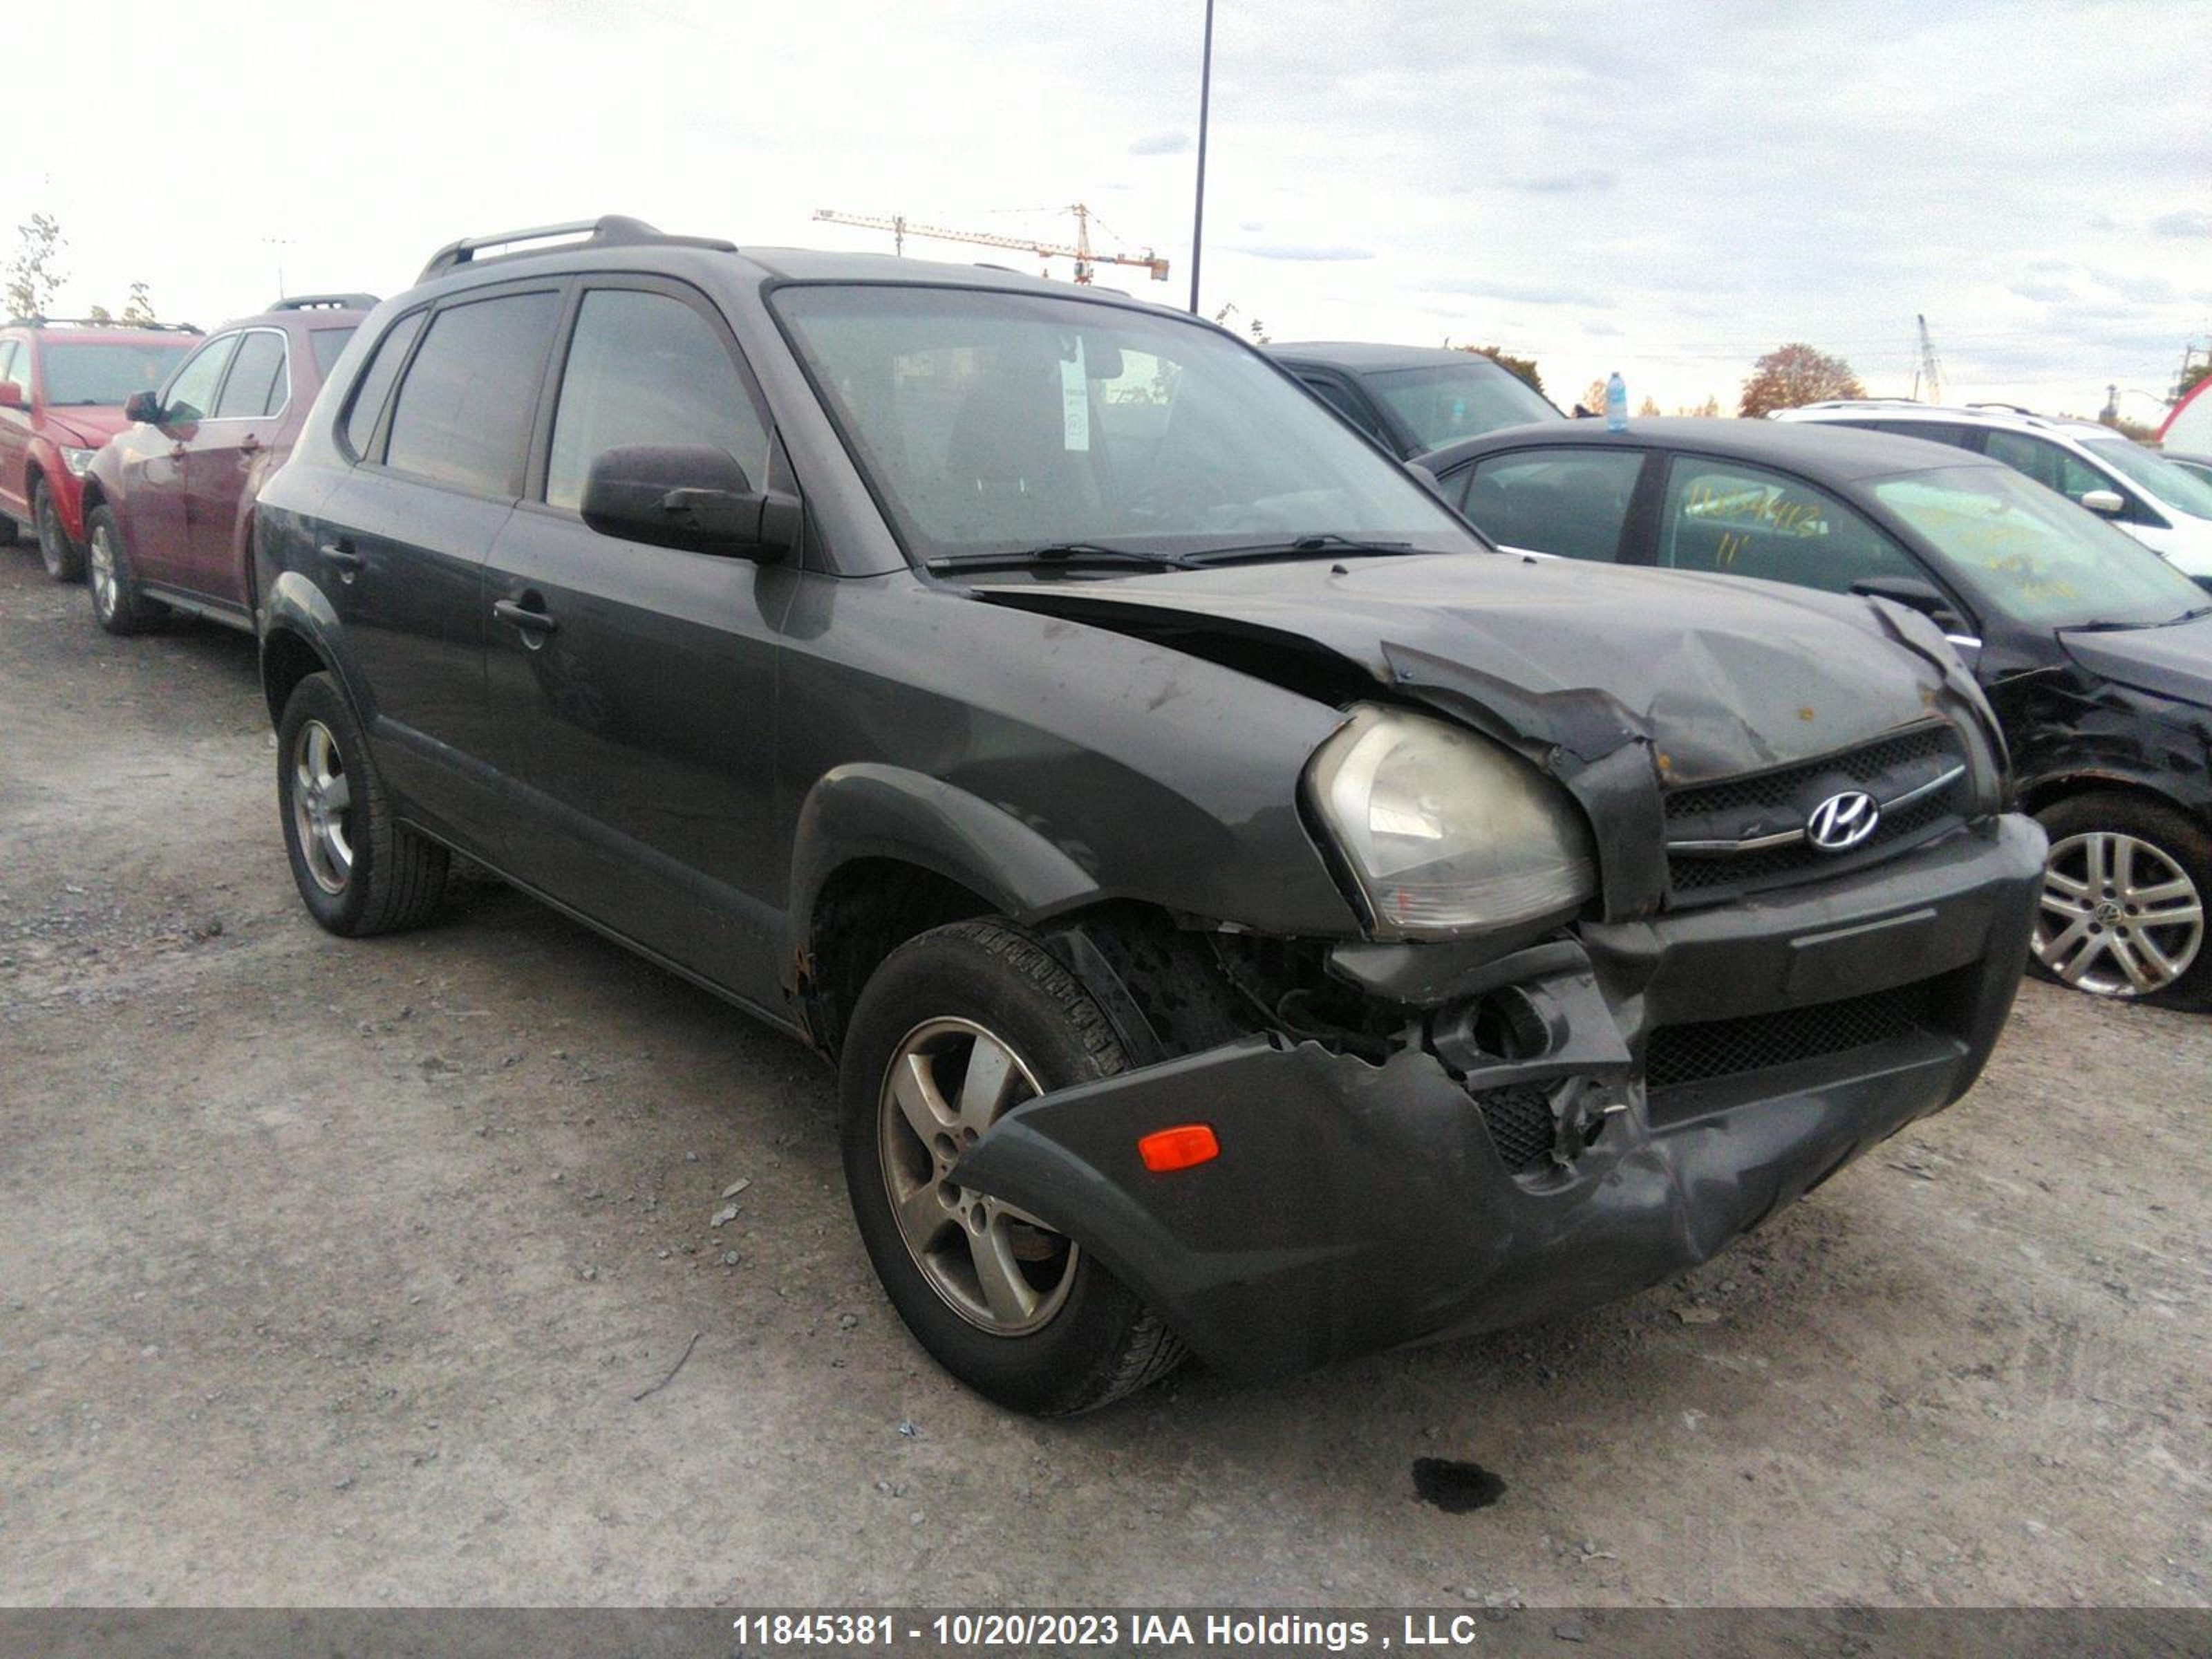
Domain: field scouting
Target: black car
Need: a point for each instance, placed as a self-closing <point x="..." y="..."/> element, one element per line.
<point x="1412" y="398"/>
<point x="1247" y="912"/>
<point x="2096" y="654"/>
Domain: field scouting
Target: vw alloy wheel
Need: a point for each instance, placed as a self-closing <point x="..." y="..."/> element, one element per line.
<point x="2119" y="917"/>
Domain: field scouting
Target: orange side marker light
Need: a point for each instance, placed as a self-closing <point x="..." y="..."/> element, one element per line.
<point x="1180" y="1148"/>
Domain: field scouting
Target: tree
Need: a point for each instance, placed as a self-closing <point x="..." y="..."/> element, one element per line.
<point x="1793" y="374"/>
<point x="1593" y="398"/>
<point x="1649" y="406"/>
<point x="98" y="316"/>
<point x="2189" y="378"/>
<point x="35" y="274"/>
<point x="1709" y="410"/>
<point x="1522" y="368"/>
<point x="138" y="309"/>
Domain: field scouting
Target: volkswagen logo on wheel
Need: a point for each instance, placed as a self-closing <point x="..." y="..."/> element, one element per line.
<point x="1841" y="822"/>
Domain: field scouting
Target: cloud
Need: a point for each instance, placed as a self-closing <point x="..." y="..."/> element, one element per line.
<point x="1252" y="227"/>
<point x="1580" y="181"/>
<point x="1161" y="143"/>
<point x="1530" y="294"/>
<point x="1603" y="329"/>
<point x="2043" y="292"/>
<point x="1302" y="251"/>
<point x="2182" y="224"/>
<point x="2143" y="290"/>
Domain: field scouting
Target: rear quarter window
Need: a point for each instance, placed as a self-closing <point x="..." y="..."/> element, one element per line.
<point x="462" y="415"/>
<point x="374" y="386"/>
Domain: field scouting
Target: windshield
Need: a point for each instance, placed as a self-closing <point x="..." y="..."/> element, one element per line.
<point x="2034" y="556"/>
<point x="2155" y="475"/>
<point x="106" y="372"/>
<point x="996" y="422"/>
<point x="1459" y="400"/>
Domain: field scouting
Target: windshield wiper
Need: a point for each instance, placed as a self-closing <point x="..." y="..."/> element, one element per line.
<point x="2110" y="627"/>
<point x="1325" y="541"/>
<point x="1070" y="555"/>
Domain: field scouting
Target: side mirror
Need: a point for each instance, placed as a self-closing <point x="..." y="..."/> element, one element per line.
<point x="2105" y="503"/>
<point x="143" y="406"/>
<point x="1915" y="594"/>
<point x="11" y="396"/>
<point x="692" y="496"/>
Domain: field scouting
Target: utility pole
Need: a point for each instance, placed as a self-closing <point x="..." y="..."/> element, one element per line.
<point x="1205" y="100"/>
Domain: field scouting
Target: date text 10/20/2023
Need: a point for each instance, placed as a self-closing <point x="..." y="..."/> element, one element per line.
<point x="1139" y="1630"/>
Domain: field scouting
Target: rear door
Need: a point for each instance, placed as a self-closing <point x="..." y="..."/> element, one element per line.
<point x="220" y="457"/>
<point x="1736" y="520"/>
<point x="633" y="687"/>
<point x="439" y="423"/>
<point x="15" y="428"/>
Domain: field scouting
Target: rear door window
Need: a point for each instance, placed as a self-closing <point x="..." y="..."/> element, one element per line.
<point x="1341" y="399"/>
<point x="326" y="344"/>
<point x="191" y="396"/>
<point x="374" y="386"/>
<point x="1742" y="520"/>
<point x="463" y="414"/>
<point x="256" y="384"/>
<point x="645" y="367"/>
<point x="1572" y="502"/>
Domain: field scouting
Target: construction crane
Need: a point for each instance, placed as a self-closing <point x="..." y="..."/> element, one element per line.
<point x="1086" y="259"/>
<point x="1929" y="374"/>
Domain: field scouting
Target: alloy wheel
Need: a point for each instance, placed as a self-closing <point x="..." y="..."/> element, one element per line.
<point x="322" y="803"/>
<point x="997" y="1266"/>
<point x="52" y="546"/>
<point x="103" y="569"/>
<point x="2119" y="917"/>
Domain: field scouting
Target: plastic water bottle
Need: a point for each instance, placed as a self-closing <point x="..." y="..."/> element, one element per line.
<point x="1616" y="403"/>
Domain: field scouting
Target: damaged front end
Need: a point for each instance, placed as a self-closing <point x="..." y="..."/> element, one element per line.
<point x="1545" y="1132"/>
<point x="1421" y="1137"/>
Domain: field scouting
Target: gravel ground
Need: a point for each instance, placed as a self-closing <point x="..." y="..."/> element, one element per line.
<point x="332" y="1272"/>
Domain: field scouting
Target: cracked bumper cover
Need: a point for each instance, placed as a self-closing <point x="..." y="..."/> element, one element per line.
<point x="1356" y="1207"/>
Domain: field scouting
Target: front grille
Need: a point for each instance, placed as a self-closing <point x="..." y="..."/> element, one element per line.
<point x="1520" y="1124"/>
<point x="1768" y="803"/>
<point x="1721" y="1047"/>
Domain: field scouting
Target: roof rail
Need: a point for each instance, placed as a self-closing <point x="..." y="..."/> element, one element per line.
<point x="611" y="230"/>
<point x="116" y="324"/>
<point x="2011" y="409"/>
<point x="325" y="303"/>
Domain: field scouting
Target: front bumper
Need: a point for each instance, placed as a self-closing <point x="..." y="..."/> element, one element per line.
<point x="1355" y="1207"/>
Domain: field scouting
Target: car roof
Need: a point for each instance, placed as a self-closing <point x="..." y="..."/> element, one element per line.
<point x="61" y="331"/>
<point x="2010" y="416"/>
<point x="1828" y="454"/>
<point x="1367" y="356"/>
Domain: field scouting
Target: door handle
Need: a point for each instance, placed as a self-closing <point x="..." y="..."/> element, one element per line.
<point x="342" y="555"/>
<point x="177" y="452"/>
<point x="248" y="444"/>
<point x="522" y="617"/>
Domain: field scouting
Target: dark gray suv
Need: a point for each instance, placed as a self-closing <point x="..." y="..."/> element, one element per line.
<point x="1248" y="914"/>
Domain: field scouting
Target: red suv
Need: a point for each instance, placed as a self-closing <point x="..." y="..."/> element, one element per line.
<point x="62" y="387"/>
<point x="168" y="505"/>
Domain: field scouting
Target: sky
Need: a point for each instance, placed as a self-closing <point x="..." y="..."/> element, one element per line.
<point x="1667" y="189"/>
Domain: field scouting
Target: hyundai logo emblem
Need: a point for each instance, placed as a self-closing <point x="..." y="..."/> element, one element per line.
<point x="1841" y="822"/>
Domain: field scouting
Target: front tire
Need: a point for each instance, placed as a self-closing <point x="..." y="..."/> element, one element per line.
<point x="117" y="604"/>
<point x="2123" y="909"/>
<point x="359" y="869"/>
<point x="955" y="1030"/>
<point x="65" y="559"/>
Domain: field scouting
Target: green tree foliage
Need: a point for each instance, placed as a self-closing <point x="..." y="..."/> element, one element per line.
<point x="138" y="309"/>
<point x="1523" y="368"/>
<point x="35" y="274"/>
<point x="1791" y="375"/>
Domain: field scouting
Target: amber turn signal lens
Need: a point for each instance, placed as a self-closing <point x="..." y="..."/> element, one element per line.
<point x="1179" y="1148"/>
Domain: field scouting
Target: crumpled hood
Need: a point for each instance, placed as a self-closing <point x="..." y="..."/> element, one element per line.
<point x="85" y="427"/>
<point x="1725" y="675"/>
<point x="2174" y="661"/>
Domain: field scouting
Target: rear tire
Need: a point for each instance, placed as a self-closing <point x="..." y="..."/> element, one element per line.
<point x="117" y="604"/>
<point x="2123" y="909"/>
<point x="65" y="559"/>
<point x="359" y="869"/>
<point x="1021" y="1314"/>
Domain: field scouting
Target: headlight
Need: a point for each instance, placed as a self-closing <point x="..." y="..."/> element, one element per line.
<point x="77" y="460"/>
<point x="1445" y="831"/>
